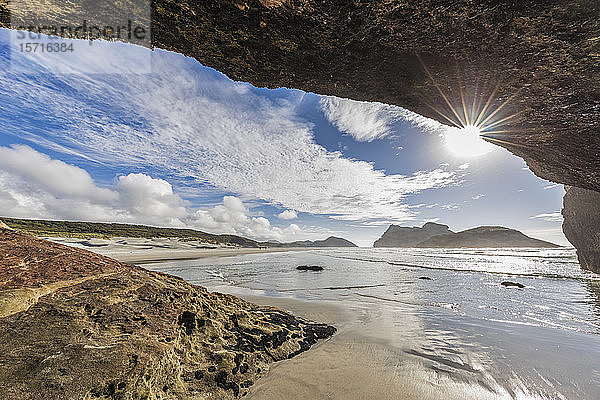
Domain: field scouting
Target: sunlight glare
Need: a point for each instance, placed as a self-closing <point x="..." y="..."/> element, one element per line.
<point x="466" y="142"/>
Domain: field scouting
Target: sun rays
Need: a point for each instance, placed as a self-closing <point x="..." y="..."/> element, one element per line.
<point x="476" y="115"/>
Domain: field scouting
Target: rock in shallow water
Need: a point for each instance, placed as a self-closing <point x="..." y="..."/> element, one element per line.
<point x="513" y="284"/>
<point x="309" y="268"/>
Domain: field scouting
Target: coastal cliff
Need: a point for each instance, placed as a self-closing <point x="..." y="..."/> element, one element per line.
<point x="581" y="225"/>
<point x="77" y="325"/>
<point x="401" y="236"/>
<point x="485" y="236"/>
<point x="438" y="235"/>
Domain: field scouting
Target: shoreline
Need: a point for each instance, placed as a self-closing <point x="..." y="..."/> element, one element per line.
<point x="369" y="358"/>
<point x="148" y="257"/>
<point x="146" y="251"/>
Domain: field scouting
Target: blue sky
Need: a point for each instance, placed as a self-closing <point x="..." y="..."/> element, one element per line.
<point x="115" y="132"/>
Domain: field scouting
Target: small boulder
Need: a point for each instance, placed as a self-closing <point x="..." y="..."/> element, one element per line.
<point x="309" y="268"/>
<point x="512" y="284"/>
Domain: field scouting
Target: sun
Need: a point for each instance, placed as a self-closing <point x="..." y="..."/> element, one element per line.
<point x="466" y="142"/>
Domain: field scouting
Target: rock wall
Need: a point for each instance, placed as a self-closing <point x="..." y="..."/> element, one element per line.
<point x="581" y="225"/>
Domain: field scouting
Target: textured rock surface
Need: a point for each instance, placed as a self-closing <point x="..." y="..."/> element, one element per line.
<point x="485" y="236"/>
<point x="581" y="225"/>
<point x="77" y="325"/>
<point x="400" y="236"/>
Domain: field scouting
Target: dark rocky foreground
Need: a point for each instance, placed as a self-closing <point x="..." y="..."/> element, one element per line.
<point x="541" y="59"/>
<point x="77" y="325"/>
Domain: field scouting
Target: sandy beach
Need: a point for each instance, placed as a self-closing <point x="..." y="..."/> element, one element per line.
<point x="403" y="337"/>
<point x="367" y="360"/>
<point x="142" y="251"/>
<point x="395" y="340"/>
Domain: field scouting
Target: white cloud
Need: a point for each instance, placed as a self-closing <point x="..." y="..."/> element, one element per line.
<point x="479" y="196"/>
<point x="288" y="214"/>
<point x="367" y="121"/>
<point x="233" y="217"/>
<point x="550" y="217"/>
<point x="197" y="124"/>
<point x="36" y="186"/>
<point x="450" y="207"/>
<point x="33" y="185"/>
<point x="151" y="200"/>
<point x="41" y="170"/>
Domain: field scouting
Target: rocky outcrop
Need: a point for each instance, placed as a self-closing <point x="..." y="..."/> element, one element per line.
<point x="581" y="225"/>
<point x="485" y="236"/>
<point x="77" y="325"/>
<point x="437" y="235"/>
<point x="401" y="236"/>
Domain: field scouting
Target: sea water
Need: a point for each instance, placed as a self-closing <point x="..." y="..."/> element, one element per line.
<point x="445" y="309"/>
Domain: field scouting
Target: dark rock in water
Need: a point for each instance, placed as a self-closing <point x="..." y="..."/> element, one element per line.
<point x="512" y="284"/>
<point x="425" y="278"/>
<point x="309" y="268"/>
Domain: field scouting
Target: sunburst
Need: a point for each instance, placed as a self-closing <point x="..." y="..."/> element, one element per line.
<point x="475" y="119"/>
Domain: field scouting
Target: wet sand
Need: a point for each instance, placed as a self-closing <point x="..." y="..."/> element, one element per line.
<point x="383" y="352"/>
<point x="400" y="347"/>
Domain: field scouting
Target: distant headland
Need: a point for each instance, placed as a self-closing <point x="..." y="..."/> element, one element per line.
<point x="438" y="235"/>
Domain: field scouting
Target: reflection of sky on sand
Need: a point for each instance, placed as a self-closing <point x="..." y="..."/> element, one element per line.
<point x="403" y="337"/>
